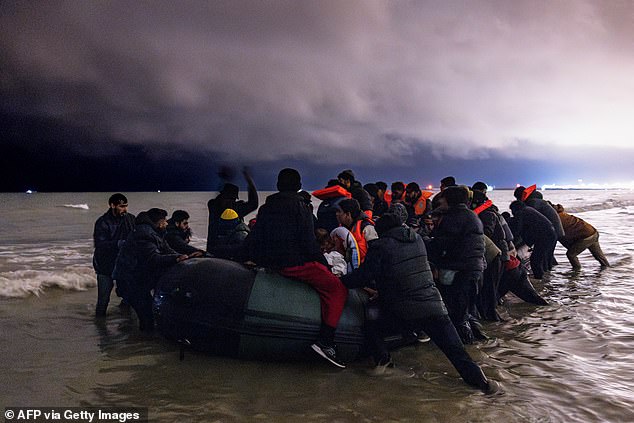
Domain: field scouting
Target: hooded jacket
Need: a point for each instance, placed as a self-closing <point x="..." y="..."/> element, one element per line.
<point x="144" y="256"/>
<point x="546" y="209"/>
<point x="284" y="235"/>
<point x="458" y="241"/>
<point x="397" y="262"/>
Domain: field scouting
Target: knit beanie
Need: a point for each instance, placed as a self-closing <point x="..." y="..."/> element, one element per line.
<point x="289" y="180"/>
<point x="387" y="222"/>
<point x="398" y="210"/>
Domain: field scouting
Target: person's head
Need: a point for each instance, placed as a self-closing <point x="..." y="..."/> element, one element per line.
<point x="372" y="189"/>
<point x="478" y="198"/>
<point x="412" y="192"/>
<point x="326" y="243"/>
<point x="386" y="222"/>
<point x="158" y="217"/>
<point x="381" y="187"/>
<point x="289" y="180"/>
<point x="399" y="210"/>
<point x="346" y="178"/>
<point x="348" y="212"/>
<point x="519" y="191"/>
<point x="398" y="188"/>
<point x="456" y="195"/>
<point x="229" y="191"/>
<point x="516" y="207"/>
<point x="447" y="182"/>
<point x="118" y="204"/>
<point x="180" y="219"/>
<point x="480" y="186"/>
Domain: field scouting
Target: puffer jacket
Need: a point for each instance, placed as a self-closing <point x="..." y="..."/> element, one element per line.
<point x="546" y="209"/>
<point x="457" y="242"/>
<point x="397" y="262"/>
<point x="109" y="235"/>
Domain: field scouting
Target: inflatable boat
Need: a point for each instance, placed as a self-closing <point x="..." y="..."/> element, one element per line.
<point x="225" y="308"/>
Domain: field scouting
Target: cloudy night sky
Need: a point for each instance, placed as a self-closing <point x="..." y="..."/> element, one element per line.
<point x="146" y="95"/>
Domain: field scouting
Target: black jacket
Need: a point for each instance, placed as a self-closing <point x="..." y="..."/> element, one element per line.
<point x="177" y="240"/>
<point x="547" y="210"/>
<point x="109" y="234"/>
<point x="144" y="256"/>
<point x="219" y="204"/>
<point x="284" y="233"/>
<point x="458" y="241"/>
<point x="397" y="262"/>
<point x="532" y="226"/>
<point x="361" y="195"/>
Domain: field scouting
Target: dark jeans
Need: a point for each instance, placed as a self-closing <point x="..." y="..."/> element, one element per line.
<point x="140" y="299"/>
<point x="104" y="288"/>
<point x="441" y="331"/>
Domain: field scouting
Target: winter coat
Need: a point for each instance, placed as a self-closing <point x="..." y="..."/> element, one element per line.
<point x="458" y="241"/>
<point x="575" y="228"/>
<point x="109" y="235"/>
<point x="397" y="262"/>
<point x="284" y="234"/>
<point x="327" y="213"/>
<point x="532" y="226"/>
<point x="361" y="195"/>
<point x="547" y="210"/>
<point x="177" y="239"/>
<point x="218" y="205"/>
<point x="144" y="256"/>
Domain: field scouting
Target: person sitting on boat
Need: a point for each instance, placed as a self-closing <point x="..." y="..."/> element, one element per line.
<point x="347" y="180"/>
<point x="408" y="298"/>
<point x="141" y="261"/>
<point x="361" y="226"/>
<point x="228" y="199"/>
<point x="346" y="245"/>
<point x="379" y="206"/>
<point x="456" y="249"/>
<point x="111" y="231"/>
<point x="396" y="193"/>
<point x="331" y="196"/>
<point x="579" y="235"/>
<point x="336" y="260"/>
<point x="178" y="234"/>
<point x="283" y="238"/>
<point x="417" y="203"/>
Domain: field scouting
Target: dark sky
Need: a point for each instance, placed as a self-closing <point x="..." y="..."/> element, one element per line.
<point x="140" y="95"/>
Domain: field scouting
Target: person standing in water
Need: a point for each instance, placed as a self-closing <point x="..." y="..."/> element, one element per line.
<point x="111" y="231"/>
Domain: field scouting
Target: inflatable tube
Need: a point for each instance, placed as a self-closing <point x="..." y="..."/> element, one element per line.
<point x="333" y="191"/>
<point x="224" y="308"/>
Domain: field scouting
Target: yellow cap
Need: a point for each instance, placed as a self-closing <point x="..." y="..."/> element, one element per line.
<point x="229" y="214"/>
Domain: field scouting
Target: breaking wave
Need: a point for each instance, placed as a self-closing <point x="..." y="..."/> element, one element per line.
<point x="82" y="206"/>
<point x="24" y="283"/>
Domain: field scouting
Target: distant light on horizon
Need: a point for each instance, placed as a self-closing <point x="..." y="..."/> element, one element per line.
<point x="591" y="185"/>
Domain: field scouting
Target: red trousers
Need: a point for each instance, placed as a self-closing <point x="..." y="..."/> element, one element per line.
<point x="332" y="292"/>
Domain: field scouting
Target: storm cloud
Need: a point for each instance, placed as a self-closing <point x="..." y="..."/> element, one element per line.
<point x="327" y="82"/>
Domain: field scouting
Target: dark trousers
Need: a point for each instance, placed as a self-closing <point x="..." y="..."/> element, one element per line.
<point x="460" y="297"/>
<point x="541" y="256"/>
<point x="104" y="288"/>
<point x="441" y="331"/>
<point x="487" y="298"/>
<point x="140" y="299"/>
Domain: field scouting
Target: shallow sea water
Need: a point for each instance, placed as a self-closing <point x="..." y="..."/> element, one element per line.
<point x="570" y="361"/>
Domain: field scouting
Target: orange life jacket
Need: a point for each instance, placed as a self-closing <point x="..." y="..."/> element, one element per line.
<point x="357" y="233"/>
<point x="482" y="207"/>
<point x="528" y="191"/>
<point x="330" y="192"/>
<point x="421" y="203"/>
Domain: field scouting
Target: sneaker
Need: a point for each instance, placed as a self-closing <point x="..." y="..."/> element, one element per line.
<point x="329" y="353"/>
<point x="422" y="337"/>
<point x="491" y="387"/>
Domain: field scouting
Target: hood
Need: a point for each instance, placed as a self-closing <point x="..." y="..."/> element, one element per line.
<point x="401" y="233"/>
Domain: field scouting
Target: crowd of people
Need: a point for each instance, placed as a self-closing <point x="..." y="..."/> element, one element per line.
<point x="436" y="265"/>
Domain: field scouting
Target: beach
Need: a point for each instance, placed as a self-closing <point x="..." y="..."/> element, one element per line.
<point x="570" y="361"/>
